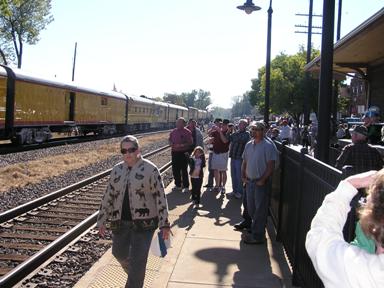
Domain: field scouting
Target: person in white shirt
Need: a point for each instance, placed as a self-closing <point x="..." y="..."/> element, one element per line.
<point x="338" y="263"/>
<point x="285" y="131"/>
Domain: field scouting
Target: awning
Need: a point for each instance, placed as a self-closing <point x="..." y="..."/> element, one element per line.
<point x="361" y="48"/>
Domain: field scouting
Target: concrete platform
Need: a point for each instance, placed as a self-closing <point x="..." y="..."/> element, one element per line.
<point x="206" y="251"/>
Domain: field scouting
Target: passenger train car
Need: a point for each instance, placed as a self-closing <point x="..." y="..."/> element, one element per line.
<point x="32" y="108"/>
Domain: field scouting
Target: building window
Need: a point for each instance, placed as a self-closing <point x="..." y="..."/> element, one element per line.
<point x="104" y="101"/>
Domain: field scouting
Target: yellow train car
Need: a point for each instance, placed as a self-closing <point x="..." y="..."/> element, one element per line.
<point x="176" y="111"/>
<point x="34" y="104"/>
<point x="107" y="114"/>
<point x="161" y="115"/>
<point x="192" y="113"/>
<point x="31" y="108"/>
<point x="141" y="113"/>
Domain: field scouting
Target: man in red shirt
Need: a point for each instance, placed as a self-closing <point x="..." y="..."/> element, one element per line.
<point x="220" y="155"/>
<point x="180" y="140"/>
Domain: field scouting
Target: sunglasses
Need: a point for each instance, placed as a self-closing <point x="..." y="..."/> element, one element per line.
<point x="129" y="150"/>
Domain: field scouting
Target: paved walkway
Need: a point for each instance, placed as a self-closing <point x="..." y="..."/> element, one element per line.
<point x="206" y="251"/>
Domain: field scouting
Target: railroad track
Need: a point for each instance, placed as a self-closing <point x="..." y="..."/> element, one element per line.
<point x="11" y="148"/>
<point x="33" y="232"/>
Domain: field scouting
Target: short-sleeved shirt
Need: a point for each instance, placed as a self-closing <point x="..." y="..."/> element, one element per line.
<point x="218" y="145"/>
<point x="257" y="156"/>
<point x="181" y="136"/>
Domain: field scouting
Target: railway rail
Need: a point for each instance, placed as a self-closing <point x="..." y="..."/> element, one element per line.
<point x="8" y="148"/>
<point x="33" y="232"/>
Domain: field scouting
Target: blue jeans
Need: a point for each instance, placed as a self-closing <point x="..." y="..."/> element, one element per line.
<point x="237" y="184"/>
<point x="131" y="249"/>
<point x="257" y="202"/>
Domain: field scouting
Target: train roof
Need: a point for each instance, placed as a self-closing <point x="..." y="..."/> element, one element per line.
<point x="177" y="106"/>
<point x="136" y="98"/>
<point x="24" y="76"/>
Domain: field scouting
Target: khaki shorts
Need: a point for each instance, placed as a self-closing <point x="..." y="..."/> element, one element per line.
<point x="219" y="161"/>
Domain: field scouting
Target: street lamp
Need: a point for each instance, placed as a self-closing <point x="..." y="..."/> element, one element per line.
<point x="249" y="7"/>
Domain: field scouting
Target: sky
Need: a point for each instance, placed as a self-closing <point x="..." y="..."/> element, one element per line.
<point x="152" y="47"/>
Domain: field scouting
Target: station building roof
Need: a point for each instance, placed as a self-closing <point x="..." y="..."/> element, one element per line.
<point x="363" y="47"/>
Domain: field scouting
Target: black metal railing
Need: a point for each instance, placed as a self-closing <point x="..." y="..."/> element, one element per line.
<point x="299" y="186"/>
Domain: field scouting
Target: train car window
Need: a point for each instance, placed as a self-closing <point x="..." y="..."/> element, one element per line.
<point x="104" y="101"/>
<point x="135" y="109"/>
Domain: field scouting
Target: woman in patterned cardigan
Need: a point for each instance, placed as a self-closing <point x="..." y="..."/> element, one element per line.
<point x="136" y="205"/>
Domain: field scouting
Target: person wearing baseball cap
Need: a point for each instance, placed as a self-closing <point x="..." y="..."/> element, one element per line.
<point x="360" y="155"/>
<point x="371" y="118"/>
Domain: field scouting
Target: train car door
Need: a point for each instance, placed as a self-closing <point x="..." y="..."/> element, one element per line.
<point x="70" y="106"/>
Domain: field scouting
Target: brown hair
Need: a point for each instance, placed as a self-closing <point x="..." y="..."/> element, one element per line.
<point x="198" y="148"/>
<point x="372" y="214"/>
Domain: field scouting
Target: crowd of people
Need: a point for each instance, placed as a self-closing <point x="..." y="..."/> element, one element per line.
<point x="136" y="205"/>
<point x="252" y="155"/>
<point x="286" y="130"/>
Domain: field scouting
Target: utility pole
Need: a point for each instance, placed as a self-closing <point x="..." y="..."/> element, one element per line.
<point x="309" y="32"/>
<point x="74" y="63"/>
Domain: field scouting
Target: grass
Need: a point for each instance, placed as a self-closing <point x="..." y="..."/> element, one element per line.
<point x="30" y="172"/>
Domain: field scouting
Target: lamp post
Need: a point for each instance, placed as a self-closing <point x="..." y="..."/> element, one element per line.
<point x="249" y="7"/>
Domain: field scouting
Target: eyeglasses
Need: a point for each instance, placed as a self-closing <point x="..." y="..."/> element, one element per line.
<point x="129" y="150"/>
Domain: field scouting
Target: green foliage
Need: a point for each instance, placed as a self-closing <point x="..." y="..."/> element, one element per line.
<point x="288" y="85"/>
<point x="21" y="21"/>
<point x="343" y="104"/>
<point x="174" y="99"/>
<point x="196" y="98"/>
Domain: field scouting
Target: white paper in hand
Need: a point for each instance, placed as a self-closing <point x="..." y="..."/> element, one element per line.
<point x="159" y="246"/>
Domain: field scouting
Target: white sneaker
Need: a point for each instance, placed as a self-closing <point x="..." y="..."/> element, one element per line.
<point x="185" y="190"/>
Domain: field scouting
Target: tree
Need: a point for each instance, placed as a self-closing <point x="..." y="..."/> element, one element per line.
<point x="288" y="85"/>
<point x="196" y="98"/>
<point x="21" y="21"/>
<point x="241" y="105"/>
<point x="189" y="98"/>
<point x="174" y="99"/>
